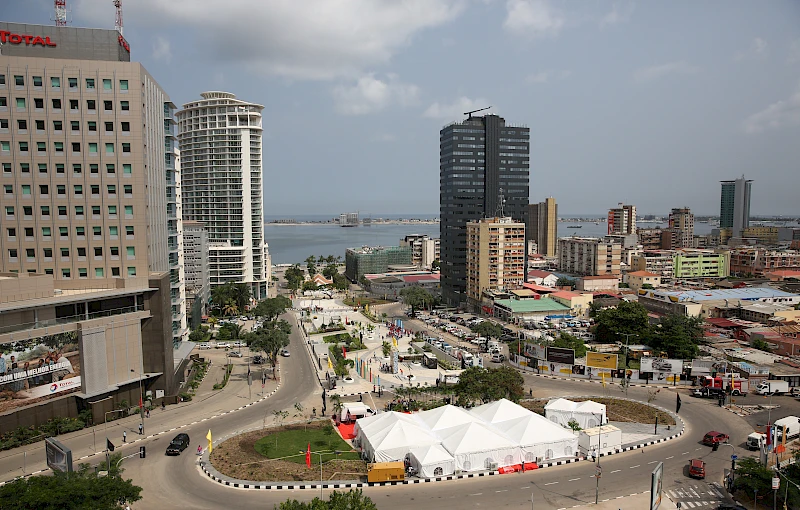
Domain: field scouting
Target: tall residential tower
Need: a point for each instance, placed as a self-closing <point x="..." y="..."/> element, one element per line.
<point x="541" y="226"/>
<point x="484" y="170"/>
<point x="221" y="167"/>
<point x="622" y="220"/>
<point x="734" y="205"/>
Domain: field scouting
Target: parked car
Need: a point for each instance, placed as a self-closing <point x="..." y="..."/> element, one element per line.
<point x="285" y="353"/>
<point x="223" y="345"/>
<point x="259" y="359"/>
<point x="235" y="354"/>
<point x="498" y="358"/>
<point x="178" y="444"/>
<point x="697" y="468"/>
<point x="714" y="437"/>
<point x="239" y="344"/>
<point x="204" y="345"/>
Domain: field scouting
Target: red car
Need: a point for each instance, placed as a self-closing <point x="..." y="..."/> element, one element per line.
<point x="697" y="468"/>
<point x="715" y="437"/>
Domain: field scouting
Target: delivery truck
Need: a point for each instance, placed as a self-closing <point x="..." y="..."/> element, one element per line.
<point x="773" y="387"/>
<point x="792" y="426"/>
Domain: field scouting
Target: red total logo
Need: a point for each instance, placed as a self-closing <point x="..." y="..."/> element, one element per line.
<point x="29" y="40"/>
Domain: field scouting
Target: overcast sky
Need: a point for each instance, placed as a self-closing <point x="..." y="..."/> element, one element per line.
<point x="650" y="103"/>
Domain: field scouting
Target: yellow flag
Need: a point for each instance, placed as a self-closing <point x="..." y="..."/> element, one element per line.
<point x="330" y="365"/>
<point x="367" y="307"/>
<point x="603" y="376"/>
<point x="394" y="341"/>
<point x="210" y="444"/>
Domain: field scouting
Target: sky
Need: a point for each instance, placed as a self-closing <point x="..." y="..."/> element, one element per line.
<point x="649" y="103"/>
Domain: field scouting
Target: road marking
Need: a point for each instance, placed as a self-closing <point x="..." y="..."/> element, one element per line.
<point x="477" y="494"/>
<point x="616" y="471"/>
<point x="634" y="467"/>
<point x="653" y="462"/>
<point x="573" y="479"/>
<point x="685" y="453"/>
<point x="551" y="483"/>
<point x="526" y="487"/>
<point x="670" y="457"/>
<point x="504" y="490"/>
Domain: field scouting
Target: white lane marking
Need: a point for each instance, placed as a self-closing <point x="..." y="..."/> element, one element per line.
<point x="573" y="479"/>
<point x="527" y="487"/>
<point x="671" y="457"/>
<point x="551" y="483"/>
<point x="689" y="504"/>
<point x="504" y="490"/>
<point x="653" y="462"/>
<point x="476" y="494"/>
<point x="616" y="471"/>
<point x="685" y="453"/>
<point x="634" y="467"/>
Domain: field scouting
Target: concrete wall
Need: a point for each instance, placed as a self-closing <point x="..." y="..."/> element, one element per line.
<point x="37" y="414"/>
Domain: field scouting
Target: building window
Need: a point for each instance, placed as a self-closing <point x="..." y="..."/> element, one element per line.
<point x="89" y="83"/>
<point x="63" y="233"/>
<point x="126" y="127"/>
<point x="75" y="125"/>
<point x="106" y="84"/>
<point x="61" y="189"/>
<point x="23" y="146"/>
<point x="131" y="252"/>
<point x="55" y="82"/>
<point x="57" y="125"/>
<point x="92" y="148"/>
<point x="92" y="126"/>
<point x="110" y="168"/>
<point x="124" y="106"/>
<point x="76" y="147"/>
<point x="65" y="273"/>
<point x="112" y="189"/>
<point x="91" y="105"/>
<point x="114" y="251"/>
<point x="59" y="146"/>
<point x="45" y="211"/>
<point x="126" y="147"/>
<point x="62" y="210"/>
<point x="96" y="210"/>
<point x="123" y="84"/>
<point x="25" y="168"/>
<point x="44" y="189"/>
<point x="21" y="102"/>
<point x="73" y="83"/>
<point x="78" y="189"/>
<point x="6" y="168"/>
<point x="109" y="148"/>
<point x="129" y="231"/>
<point x="4" y="124"/>
<point x="109" y="127"/>
<point x="128" y="211"/>
<point x="22" y="125"/>
<point x="79" y="211"/>
<point x="9" y="189"/>
<point x="95" y="188"/>
<point x="10" y="211"/>
<point x="131" y="270"/>
<point x="2" y="79"/>
<point x="98" y="272"/>
<point x="80" y="232"/>
<point x="64" y="253"/>
<point x="12" y="233"/>
<point x="41" y="147"/>
<point x="5" y="146"/>
<point x="48" y="253"/>
<point x="37" y="81"/>
<point x="39" y="125"/>
<point x="114" y="271"/>
<point x="56" y="104"/>
<point x="26" y="189"/>
<point x="112" y="210"/>
<point x="38" y="103"/>
<point x="82" y="272"/>
<point x="59" y="168"/>
<point x="113" y="232"/>
<point x="97" y="232"/>
<point x="19" y="81"/>
<point x="3" y="101"/>
<point x="93" y="169"/>
<point x="30" y="254"/>
<point x="108" y="106"/>
<point x="73" y="105"/>
<point x="128" y="190"/>
<point x="98" y="252"/>
<point x="126" y="169"/>
<point x="28" y="234"/>
<point x="12" y="255"/>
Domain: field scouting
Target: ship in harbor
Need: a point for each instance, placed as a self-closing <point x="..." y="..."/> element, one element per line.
<point x="574" y="226"/>
<point x="348" y="219"/>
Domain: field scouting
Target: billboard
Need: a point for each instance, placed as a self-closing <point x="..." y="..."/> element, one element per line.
<point x="701" y="367"/>
<point x="59" y="457"/>
<point x="656" y="484"/>
<point x="661" y="366"/>
<point x="561" y="355"/>
<point x="601" y="360"/>
<point x="535" y="351"/>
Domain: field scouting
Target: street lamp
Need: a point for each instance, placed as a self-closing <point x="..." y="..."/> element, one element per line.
<point x="141" y="399"/>
<point x="627" y="341"/>
<point x="337" y="452"/>
<point x="597" y="469"/>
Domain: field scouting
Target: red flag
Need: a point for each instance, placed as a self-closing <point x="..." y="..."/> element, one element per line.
<point x="141" y="404"/>
<point x="308" y="456"/>
<point x="344" y="352"/>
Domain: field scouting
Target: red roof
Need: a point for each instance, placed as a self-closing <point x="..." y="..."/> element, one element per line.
<point x="722" y="323"/>
<point x="538" y="288"/>
<point x="538" y="273"/>
<point x="602" y="277"/>
<point x="416" y="278"/>
<point x="643" y="273"/>
<point x="565" y="294"/>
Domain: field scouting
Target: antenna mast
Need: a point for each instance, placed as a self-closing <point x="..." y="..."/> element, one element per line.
<point x="469" y="113"/>
<point x="118" y="18"/>
<point x="60" y="7"/>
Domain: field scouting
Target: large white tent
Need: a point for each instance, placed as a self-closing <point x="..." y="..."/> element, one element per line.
<point x="476" y="446"/>
<point x="500" y="410"/>
<point x="395" y="440"/>
<point x="432" y="460"/>
<point x="587" y="414"/>
<point x="445" y="417"/>
<point x="538" y="438"/>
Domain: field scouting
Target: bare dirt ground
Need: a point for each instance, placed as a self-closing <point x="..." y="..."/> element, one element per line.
<point x="617" y="410"/>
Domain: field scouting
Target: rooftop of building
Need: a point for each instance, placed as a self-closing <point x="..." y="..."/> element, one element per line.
<point x="538" y="288"/>
<point x="601" y="277"/>
<point x="747" y="293"/>
<point x="531" y="305"/>
<point x="646" y="274"/>
<point x="566" y="294"/>
<point x="365" y="250"/>
<point x="752" y="355"/>
<point x="538" y="273"/>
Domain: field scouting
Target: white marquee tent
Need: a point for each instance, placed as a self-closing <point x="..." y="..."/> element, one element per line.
<point x="431" y="461"/>
<point x="393" y="441"/>
<point x="476" y="446"/>
<point x="588" y="413"/>
<point x="539" y="438"/>
<point x="445" y="417"/>
<point x="500" y="410"/>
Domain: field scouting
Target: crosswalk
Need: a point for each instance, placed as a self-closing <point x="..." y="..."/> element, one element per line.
<point x="697" y="496"/>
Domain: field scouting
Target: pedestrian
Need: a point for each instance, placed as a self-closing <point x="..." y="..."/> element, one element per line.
<point x="147" y="413"/>
<point x="163" y="406"/>
<point x="124" y="436"/>
<point x="141" y="429"/>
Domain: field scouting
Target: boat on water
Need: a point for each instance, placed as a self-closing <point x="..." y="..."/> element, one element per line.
<point x="575" y="226"/>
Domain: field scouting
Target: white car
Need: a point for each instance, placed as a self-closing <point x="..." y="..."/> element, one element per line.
<point x="235" y="354"/>
<point x="239" y="344"/>
<point x="223" y="345"/>
<point x="204" y="345"/>
<point x="285" y="353"/>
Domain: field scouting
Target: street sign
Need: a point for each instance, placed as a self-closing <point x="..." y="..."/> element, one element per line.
<point x="598" y="472"/>
<point x="776" y="483"/>
<point x="734" y="457"/>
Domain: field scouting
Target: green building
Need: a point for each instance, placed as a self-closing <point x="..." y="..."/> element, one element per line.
<point x="371" y="260"/>
<point x="701" y="264"/>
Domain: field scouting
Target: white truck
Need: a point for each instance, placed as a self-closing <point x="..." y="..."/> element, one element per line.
<point x="773" y="387"/>
<point x="792" y="425"/>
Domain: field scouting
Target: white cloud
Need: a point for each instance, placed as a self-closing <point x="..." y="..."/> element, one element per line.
<point x="651" y="73"/>
<point x="456" y="109"/>
<point x="784" y="113"/>
<point x="794" y="52"/>
<point x="620" y="13"/>
<point x="162" y="49"/>
<point x="758" y="47"/>
<point x="548" y="76"/>
<point x="370" y="95"/>
<point x="532" y="18"/>
<point x="309" y="39"/>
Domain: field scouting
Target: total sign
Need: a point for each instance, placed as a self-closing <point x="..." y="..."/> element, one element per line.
<point x="29" y="40"/>
<point x="53" y="388"/>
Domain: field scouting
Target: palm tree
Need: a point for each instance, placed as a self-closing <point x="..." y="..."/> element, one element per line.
<point x="240" y="294"/>
<point x="230" y="308"/>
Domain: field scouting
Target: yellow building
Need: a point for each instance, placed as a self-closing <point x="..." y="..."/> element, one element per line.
<point x="763" y="235"/>
<point x="495" y="256"/>
<point x="637" y="279"/>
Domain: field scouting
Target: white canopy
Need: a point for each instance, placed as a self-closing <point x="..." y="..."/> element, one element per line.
<point x="446" y="417"/>
<point x="500" y="410"/>
<point x="432" y="460"/>
<point x="538" y="437"/>
<point x="588" y="414"/>
<point x="476" y="447"/>
<point x="394" y="441"/>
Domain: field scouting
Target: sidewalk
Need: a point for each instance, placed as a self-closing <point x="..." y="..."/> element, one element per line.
<point x="632" y="502"/>
<point x="85" y="443"/>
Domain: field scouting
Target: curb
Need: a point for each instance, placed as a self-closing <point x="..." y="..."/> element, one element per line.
<point x="245" y="484"/>
<point x="608" y="499"/>
<point x="577" y="379"/>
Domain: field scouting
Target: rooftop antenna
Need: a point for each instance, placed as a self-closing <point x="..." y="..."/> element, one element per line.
<point x="502" y="205"/>
<point x="60" y="12"/>
<point x="118" y="18"/>
<point x="469" y="114"/>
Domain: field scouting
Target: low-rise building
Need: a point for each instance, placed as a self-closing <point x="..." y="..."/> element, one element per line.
<point x="525" y="310"/>
<point x="598" y="284"/>
<point x="660" y="262"/>
<point x="709" y="303"/>
<point x="758" y="261"/>
<point x="638" y="279"/>
<point x="578" y="302"/>
<point x="543" y="278"/>
<point x="424" y="250"/>
<point x="762" y="235"/>
<point x="589" y="256"/>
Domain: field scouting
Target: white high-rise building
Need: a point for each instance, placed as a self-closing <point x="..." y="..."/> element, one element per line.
<point x="222" y="186"/>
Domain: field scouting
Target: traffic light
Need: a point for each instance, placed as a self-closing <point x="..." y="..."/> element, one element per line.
<point x="142" y="452"/>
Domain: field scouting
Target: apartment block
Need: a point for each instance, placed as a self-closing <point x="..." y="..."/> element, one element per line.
<point x="198" y="289"/>
<point x="758" y="261"/>
<point x="377" y="259"/>
<point x="762" y="235"/>
<point x="622" y="219"/>
<point x="681" y="222"/>
<point x="541" y="226"/>
<point x="495" y="256"/>
<point x="649" y="238"/>
<point x="658" y="262"/>
<point x="701" y="264"/>
<point x="589" y="256"/>
<point x="424" y="250"/>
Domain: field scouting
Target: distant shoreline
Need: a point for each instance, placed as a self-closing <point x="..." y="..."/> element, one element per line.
<point x="332" y="224"/>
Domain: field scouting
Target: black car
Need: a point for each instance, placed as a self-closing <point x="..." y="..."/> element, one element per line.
<point x="259" y="359"/>
<point x="178" y="444"/>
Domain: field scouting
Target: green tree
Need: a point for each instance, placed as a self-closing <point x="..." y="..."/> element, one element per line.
<point x="351" y="500"/>
<point x="435" y="265"/>
<point x="233" y="297"/>
<point x="760" y="344"/>
<point x="77" y="490"/>
<point x="270" y="341"/>
<point x="647" y="286"/>
<point x="311" y="265"/>
<point x="574" y="425"/>
<point x="567" y="341"/>
<point x="295" y="276"/>
<point x="340" y="282"/>
<point x="627" y="317"/>
<point x="677" y="336"/>
<point x="488" y="329"/>
<point x="271" y="308"/>
<point x="478" y="384"/>
<point x="329" y="271"/>
<point x="565" y="282"/>
<point x="751" y="475"/>
<point x="386" y="347"/>
<point x="309" y="285"/>
<point x="416" y="297"/>
<point x="198" y="335"/>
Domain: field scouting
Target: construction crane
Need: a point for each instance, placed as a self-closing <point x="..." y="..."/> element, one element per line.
<point x="60" y="13"/>
<point x="469" y="114"/>
<point x="118" y="19"/>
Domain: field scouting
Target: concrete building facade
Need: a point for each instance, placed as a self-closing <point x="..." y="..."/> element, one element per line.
<point x="484" y="168"/>
<point x="637" y="279"/>
<point x="198" y="289"/>
<point x="495" y="256"/>
<point x="701" y="264"/>
<point x="681" y="222"/>
<point x="377" y="259"/>
<point x="541" y="226"/>
<point x="589" y="256"/>
<point x="222" y="178"/>
<point x="734" y="205"/>
<point x="622" y="219"/>
<point x="424" y="250"/>
<point x="660" y="262"/>
<point x="759" y="261"/>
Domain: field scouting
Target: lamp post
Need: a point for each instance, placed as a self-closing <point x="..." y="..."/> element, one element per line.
<point x="597" y="469"/>
<point x="627" y="341"/>
<point x="336" y="452"/>
<point x="141" y="399"/>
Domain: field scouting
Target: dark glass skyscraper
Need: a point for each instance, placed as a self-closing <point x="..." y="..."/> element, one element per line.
<point x="734" y="205"/>
<point x="484" y="171"/>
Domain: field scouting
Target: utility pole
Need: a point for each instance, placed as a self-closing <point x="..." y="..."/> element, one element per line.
<point x="627" y="341"/>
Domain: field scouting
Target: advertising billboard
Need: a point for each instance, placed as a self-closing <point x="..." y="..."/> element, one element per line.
<point x="535" y="351"/>
<point x="661" y="365"/>
<point x="561" y="355"/>
<point x="656" y="484"/>
<point x="601" y="360"/>
<point x="59" y="457"/>
<point x="701" y="367"/>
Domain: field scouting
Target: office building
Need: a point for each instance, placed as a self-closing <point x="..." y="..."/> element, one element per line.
<point x="89" y="179"/>
<point x="377" y="259"/>
<point x="589" y="256"/>
<point x="222" y="180"/>
<point x="541" y="226"/>
<point x="424" y="250"/>
<point x="195" y="252"/>
<point x="495" y="257"/>
<point x="734" y="205"/>
<point x="681" y="224"/>
<point x="622" y="219"/>
<point x="484" y="172"/>
<point x="660" y="262"/>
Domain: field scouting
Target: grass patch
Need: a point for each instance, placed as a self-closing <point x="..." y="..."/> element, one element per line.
<point x="337" y="339"/>
<point x="291" y="442"/>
